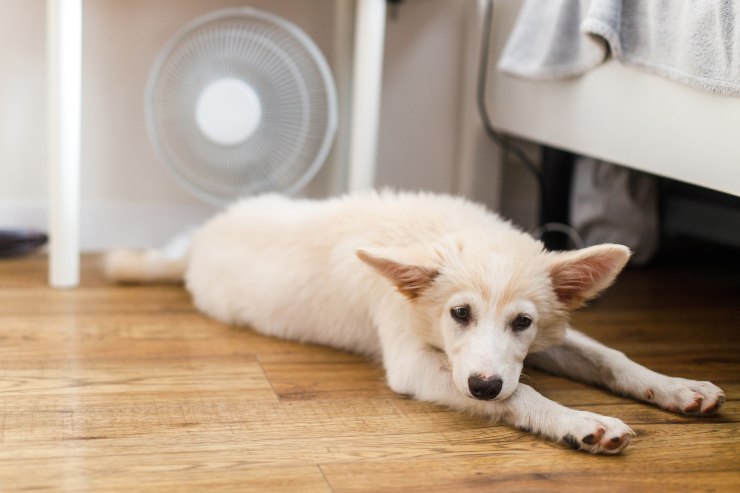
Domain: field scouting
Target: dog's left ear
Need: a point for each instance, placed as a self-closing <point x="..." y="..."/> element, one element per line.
<point x="580" y="275"/>
<point x="410" y="279"/>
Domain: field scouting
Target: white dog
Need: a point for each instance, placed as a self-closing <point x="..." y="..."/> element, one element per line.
<point x="448" y="296"/>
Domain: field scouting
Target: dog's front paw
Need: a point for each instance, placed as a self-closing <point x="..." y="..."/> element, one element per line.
<point x="680" y="395"/>
<point x="596" y="434"/>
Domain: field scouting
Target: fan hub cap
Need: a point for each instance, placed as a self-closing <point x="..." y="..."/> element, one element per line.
<point x="228" y="111"/>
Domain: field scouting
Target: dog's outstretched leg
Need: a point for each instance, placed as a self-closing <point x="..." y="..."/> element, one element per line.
<point x="528" y="410"/>
<point x="422" y="373"/>
<point x="581" y="358"/>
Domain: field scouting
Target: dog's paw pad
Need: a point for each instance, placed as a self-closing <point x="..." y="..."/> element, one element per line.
<point x="603" y="435"/>
<point x="594" y="438"/>
<point x="707" y="398"/>
<point x="695" y="404"/>
<point x="711" y="407"/>
<point x="617" y="442"/>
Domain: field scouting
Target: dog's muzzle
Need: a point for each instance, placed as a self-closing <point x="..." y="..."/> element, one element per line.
<point x="484" y="389"/>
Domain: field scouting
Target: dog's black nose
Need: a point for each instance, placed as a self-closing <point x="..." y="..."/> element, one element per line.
<point x="484" y="389"/>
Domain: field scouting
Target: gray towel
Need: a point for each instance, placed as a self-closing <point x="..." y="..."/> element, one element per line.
<point x="696" y="42"/>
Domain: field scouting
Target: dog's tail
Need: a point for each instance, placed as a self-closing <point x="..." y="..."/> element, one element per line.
<point x="166" y="265"/>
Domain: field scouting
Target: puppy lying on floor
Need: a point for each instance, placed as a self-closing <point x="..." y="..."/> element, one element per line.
<point x="450" y="297"/>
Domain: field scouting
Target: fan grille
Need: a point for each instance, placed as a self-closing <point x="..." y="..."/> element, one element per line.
<point x="293" y="83"/>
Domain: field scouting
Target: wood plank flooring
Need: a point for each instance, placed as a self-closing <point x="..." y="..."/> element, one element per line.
<point x="110" y="388"/>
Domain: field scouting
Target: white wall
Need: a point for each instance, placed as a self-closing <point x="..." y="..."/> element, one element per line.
<point x="129" y="198"/>
<point x="22" y="100"/>
<point x="418" y="134"/>
<point x="431" y="137"/>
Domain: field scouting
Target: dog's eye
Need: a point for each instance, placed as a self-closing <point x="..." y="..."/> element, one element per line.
<point x="521" y="322"/>
<point x="461" y="313"/>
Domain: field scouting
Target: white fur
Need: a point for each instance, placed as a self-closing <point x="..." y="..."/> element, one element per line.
<point x="380" y="273"/>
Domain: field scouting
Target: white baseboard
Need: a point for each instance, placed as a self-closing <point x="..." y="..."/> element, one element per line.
<point x="105" y="225"/>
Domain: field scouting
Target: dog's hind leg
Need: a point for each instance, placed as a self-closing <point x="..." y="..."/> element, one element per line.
<point x="423" y="373"/>
<point x="581" y="358"/>
<point x="163" y="265"/>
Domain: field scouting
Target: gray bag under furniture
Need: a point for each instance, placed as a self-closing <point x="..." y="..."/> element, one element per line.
<point x="613" y="204"/>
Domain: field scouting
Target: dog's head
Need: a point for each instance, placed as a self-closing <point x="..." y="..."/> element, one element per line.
<point x="487" y="308"/>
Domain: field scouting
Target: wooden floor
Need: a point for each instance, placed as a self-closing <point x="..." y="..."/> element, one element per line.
<point x="107" y="388"/>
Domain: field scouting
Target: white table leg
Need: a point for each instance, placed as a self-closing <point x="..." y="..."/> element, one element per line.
<point x="366" y="89"/>
<point x="64" y="47"/>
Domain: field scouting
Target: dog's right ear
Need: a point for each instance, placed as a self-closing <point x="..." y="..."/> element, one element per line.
<point x="408" y="277"/>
